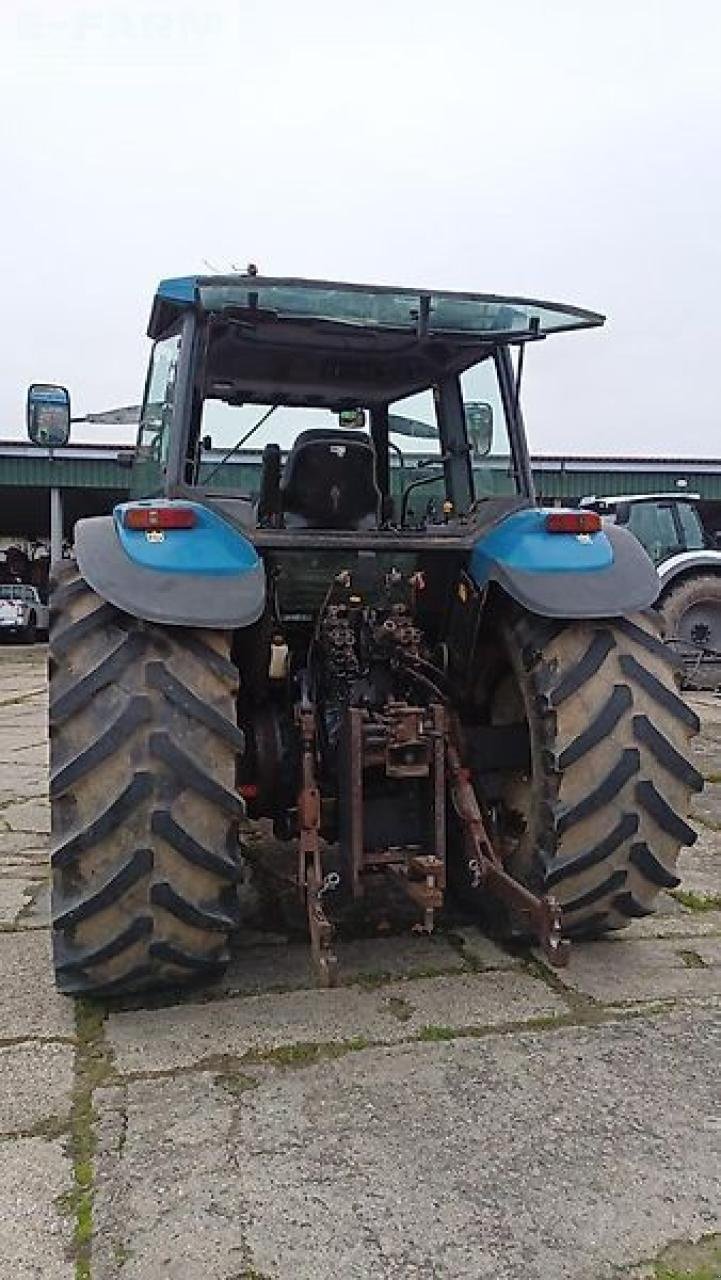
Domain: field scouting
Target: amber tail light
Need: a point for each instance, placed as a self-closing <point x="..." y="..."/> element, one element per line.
<point x="573" y="522"/>
<point x="159" y="518"/>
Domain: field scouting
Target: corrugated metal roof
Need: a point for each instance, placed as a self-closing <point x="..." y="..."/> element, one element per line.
<point x="584" y="481"/>
<point x="97" y="467"/>
<point x="73" y="467"/>
<point x="644" y="461"/>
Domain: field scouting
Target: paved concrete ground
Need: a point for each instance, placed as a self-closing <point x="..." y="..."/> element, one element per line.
<point x="453" y="1111"/>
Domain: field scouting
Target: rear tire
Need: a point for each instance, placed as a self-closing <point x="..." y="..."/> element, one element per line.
<point x="600" y="820"/>
<point x="143" y="747"/>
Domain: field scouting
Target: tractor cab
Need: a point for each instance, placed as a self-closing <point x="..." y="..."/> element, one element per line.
<point x="371" y="408"/>
<point x="381" y="422"/>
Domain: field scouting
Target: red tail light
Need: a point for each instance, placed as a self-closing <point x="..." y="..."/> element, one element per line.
<point x="573" y="522"/>
<point x="159" y="518"/>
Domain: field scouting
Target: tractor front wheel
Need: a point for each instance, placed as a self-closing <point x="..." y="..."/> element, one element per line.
<point x="691" y="612"/>
<point x="143" y="746"/>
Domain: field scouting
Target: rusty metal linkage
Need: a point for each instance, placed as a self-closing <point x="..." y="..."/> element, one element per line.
<point x="310" y="871"/>
<point x="407" y="743"/>
<point x="542" y="914"/>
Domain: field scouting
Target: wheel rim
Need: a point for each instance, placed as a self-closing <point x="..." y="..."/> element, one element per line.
<point x="700" y="625"/>
<point x="515" y="812"/>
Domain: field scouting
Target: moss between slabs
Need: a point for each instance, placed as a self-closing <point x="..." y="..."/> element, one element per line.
<point x="307" y="1053"/>
<point x="700" y="1261"/>
<point x="697" y="901"/>
<point x="91" y="1069"/>
<point x="691" y="959"/>
<point x="433" y="1033"/>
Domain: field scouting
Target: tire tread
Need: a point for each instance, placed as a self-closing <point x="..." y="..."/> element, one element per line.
<point x="609" y="796"/>
<point x="145" y="855"/>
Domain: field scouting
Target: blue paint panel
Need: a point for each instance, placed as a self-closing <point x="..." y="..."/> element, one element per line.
<point x="522" y="543"/>
<point x="212" y="547"/>
<point x="181" y="289"/>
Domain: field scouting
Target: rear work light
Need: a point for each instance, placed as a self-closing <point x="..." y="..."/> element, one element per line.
<point x="573" y="522"/>
<point x="159" y="518"/>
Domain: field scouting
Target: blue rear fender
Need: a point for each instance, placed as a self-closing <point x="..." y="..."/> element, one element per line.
<point x="212" y="547"/>
<point x="565" y="575"/>
<point x="207" y="575"/>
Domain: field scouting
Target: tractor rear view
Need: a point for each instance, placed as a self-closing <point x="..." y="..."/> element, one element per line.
<point x="425" y="681"/>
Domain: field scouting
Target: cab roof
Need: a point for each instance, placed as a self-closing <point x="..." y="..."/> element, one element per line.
<point x="358" y="310"/>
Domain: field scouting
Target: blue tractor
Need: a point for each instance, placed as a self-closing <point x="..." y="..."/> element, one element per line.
<point x="390" y="651"/>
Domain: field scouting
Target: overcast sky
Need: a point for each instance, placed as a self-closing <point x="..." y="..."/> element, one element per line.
<point x="558" y="149"/>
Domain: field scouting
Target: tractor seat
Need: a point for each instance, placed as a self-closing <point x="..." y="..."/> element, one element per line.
<point x="329" y="481"/>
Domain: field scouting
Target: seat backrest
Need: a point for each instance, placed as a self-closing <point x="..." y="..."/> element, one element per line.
<point x="329" y="480"/>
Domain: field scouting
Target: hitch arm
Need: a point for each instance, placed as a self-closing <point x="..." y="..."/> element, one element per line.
<point x="310" y="871"/>
<point x="542" y="914"/>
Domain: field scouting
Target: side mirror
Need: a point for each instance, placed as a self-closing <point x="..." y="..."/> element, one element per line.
<point x="479" y="425"/>
<point x="48" y="415"/>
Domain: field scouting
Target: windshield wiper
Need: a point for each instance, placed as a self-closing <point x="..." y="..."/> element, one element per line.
<point x="239" y="444"/>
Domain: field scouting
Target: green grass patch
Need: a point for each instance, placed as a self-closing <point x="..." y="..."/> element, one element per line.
<point x="400" y="1008"/>
<point x="306" y="1054"/>
<point x="372" y="981"/>
<point x="697" y="901"/>
<point x="83" y="1220"/>
<point x="237" y="1083"/>
<point x="369" y="981"/>
<point x="711" y="1272"/>
<point x="701" y="1261"/>
<point x="691" y="959"/>
<point x="121" y="1255"/>
<point x="472" y="962"/>
<point x="432" y="1034"/>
